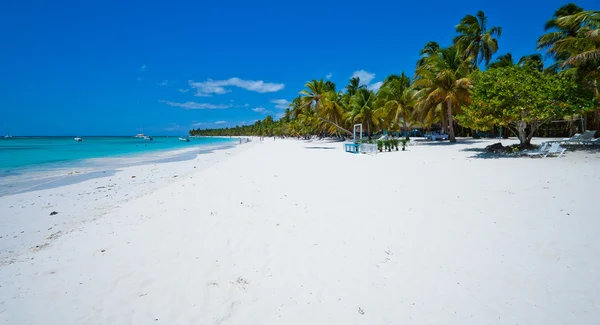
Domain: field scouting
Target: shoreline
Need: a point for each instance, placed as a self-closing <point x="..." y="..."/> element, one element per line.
<point x="84" y="194"/>
<point x="34" y="177"/>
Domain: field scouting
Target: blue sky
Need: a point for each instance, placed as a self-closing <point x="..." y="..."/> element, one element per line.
<point x="111" y="67"/>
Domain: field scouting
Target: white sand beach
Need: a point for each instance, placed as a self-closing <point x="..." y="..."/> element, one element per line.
<point x="297" y="232"/>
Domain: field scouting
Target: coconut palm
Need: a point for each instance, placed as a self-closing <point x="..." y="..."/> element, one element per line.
<point x="354" y="85"/>
<point x="476" y="41"/>
<point x="443" y="79"/>
<point x="503" y="61"/>
<point x="534" y="61"/>
<point x="312" y="98"/>
<point x="573" y="41"/>
<point x="584" y="48"/>
<point x="332" y="109"/>
<point x="557" y="31"/>
<point x="362" y="106"/>
<point x="430" y="49"/>
<point x="396" y="101"/>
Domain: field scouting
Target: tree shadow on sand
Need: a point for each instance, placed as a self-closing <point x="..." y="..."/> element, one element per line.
<point x="481" y="153"/>
<point x="422" y="142"/>
<point x="581" y="148"/>
<point x="325" y="148"/>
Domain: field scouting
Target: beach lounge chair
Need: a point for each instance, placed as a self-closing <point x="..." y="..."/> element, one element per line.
<point x="572" y="140"/>
<point x="555" y="148"/>
<point x="587" y="137"/>
<point x="542" y="150"/>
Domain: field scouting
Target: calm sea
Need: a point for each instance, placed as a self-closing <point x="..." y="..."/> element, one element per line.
<point x="29" y="161"/>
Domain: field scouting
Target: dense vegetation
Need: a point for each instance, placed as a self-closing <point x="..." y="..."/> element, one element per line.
<point x="450" y="91"/>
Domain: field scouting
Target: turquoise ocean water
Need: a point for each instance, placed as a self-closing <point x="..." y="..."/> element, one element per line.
<point x="19" y="152"/>
<point x="28" y="161"/>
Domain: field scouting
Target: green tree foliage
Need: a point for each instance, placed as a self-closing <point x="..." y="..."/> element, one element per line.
<point x="396" y="102"/>
<point x="448" y="87"/>
<point x="573" y="41"/>
<point x="362" y="105"/>
<point x="522" y="99"/>
<point x="503" y="61"/>
<point x="444" y="79"/>
<point x="475" y="40"/>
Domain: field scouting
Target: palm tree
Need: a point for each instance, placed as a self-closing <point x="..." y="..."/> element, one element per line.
<point x="430" y="49"/>
<point x="312" y="98"/>
<point x="397" y="101"/>
<point x="584" y="48"/>
<point x="362" y="105"/>
<point x="503" y="61"/>
<point x="443" y="79"/>
<point x="534" y="61"/>
<point x="332" y="109"/>
<point x="476" y="41"/>
<point x="558" y="31"/>
<point x="573" y="41"/>
<point x="354" y="85"/>
<point x="330" y="86"/>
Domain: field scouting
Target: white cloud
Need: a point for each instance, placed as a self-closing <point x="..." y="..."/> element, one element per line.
<point x="209" y="87"/>
<point x="365" y="76"/>
<point x="375" y="87"/>
<point x="194" y="105"/>
<point x="280" y="103"/>
<point x="163" y="83"/>
<point x="329" y="75"/>
<point x="183" y="90"/>
<point x="365" y="80"/>
<point x="261" y="110"/>
<point x="143" y="68"/>
<point x="198" y="124"/>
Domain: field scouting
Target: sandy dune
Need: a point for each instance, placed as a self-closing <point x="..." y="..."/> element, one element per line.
<point x="294" y="232"/>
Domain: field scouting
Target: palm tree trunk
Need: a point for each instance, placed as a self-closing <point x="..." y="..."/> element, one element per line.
<point x="334" y="124"/>
<point x="450" y="126"/>
<point x="444" y="125"/>
<point x="328" y="121"/>
<point x="596" y="117"/>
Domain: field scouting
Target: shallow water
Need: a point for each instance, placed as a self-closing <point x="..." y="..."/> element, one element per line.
<point x="18" y="152"/>
<point x="45" y="162"/>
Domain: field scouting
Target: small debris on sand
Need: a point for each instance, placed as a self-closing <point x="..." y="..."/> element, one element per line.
<point x="53" y="213"/>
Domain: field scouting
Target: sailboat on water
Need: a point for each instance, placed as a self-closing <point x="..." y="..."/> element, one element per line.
<point x="7" y="136"/>
<point x="143" y="136"/>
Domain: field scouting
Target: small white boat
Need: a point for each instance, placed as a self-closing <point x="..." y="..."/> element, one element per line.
<point x="184" y="139"/>
<point x="78" y="139"/>
<point x="8" y="136"/>
<point x="148" y="138"/>
<point x="140" y="135"/>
